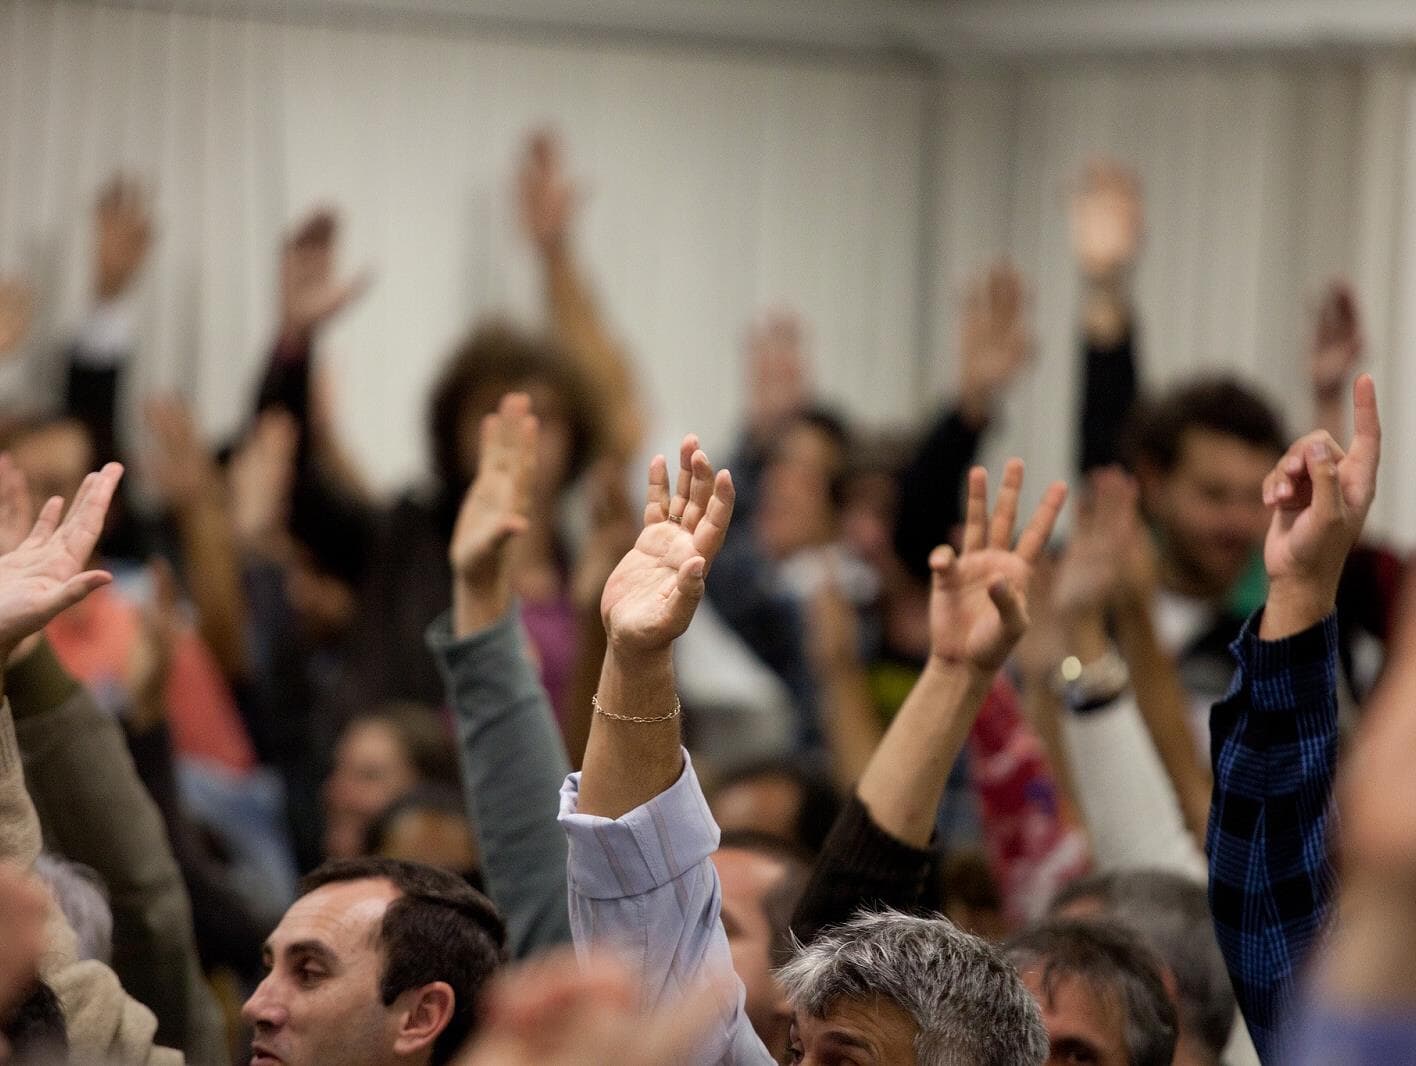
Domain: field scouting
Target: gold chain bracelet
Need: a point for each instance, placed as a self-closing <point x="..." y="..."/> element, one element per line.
<point x="637" y="719"/>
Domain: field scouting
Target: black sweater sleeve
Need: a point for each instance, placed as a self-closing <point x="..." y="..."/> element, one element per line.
<point x="931" y="489"/>
<point x="860" y="867"/>
<point x="1108" y="393"/>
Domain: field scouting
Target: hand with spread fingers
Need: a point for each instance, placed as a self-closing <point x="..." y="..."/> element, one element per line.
<point x="1320" y="496"/>
<point x="651" y="596"/>
<point x="495" y="511"/>
<point x="978" y="603"/>
<point x="45" y="573"/>
<point x="16" y="311"/>
<point x="310" y="292"/>
<point x="122" y="235"/>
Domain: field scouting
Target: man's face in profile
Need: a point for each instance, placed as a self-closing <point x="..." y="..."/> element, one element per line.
<point x="319" y="1003"/>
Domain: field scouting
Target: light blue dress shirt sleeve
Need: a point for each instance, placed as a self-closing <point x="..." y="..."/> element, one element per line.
<point x="644" y="886"/>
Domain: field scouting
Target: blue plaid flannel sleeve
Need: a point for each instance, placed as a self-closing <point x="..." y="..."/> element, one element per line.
<point x="1274" y="745"/>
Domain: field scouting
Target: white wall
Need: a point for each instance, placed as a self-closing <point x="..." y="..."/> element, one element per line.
<point x="718" y="183"/>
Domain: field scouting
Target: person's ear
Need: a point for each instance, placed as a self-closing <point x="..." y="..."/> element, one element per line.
<point x="426" y="1012"/>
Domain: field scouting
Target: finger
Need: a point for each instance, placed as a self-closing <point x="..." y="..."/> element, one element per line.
<point x="1366" y="447"/>
<point x="688" y="588"/>
<point x="529" y="433"/>
<point x="1327" y="502"/>
<point x="1005" y="514"/>
<point x="1039" y="528"/>
<point x="84" y="524"/>
<point x="1011" y="607"/>
<point x="657" y="508"/>
<point x="47" y="521"/>
<point x="685" y="475"/>
<point x="710" y="533"/>
<point x="976" y="511"/>
<point x="700" y="491"/>
<point x="941" y="563"/>
<point x="76" y="588"/>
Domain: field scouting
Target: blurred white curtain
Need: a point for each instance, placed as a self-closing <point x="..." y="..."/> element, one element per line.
<point x="718" y="182"/>
<point x="1263" y="177"/>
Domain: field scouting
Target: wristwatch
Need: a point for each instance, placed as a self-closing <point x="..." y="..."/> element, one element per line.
<point x="1089" y="686"/>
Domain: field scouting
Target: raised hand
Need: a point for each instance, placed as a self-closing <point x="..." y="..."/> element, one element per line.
<point x="778" y="385"/>
<point x="310" y="293"/>
<point x="122" y="235"/>
<point x="1097" y="563"/>
<point x="613" y="531"/>
<point x="16" y="310"/>
<point x="1337" y="342"/>
<point x="45" y="573"/>
<point x="978" y="603"/>
<point x="150" y="658"/>
<point x="650" y="598"/>
<point x="1320" y="496"/>
<point x="555" y="1011"/>
<point x="496" y="509"/>
<point x="995" y="343"/>
<point x="1108" y="220"/>
<point x="548" y="198"/>
<point x="181" y="467"/>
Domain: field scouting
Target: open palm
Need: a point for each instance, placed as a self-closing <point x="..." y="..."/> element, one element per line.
<point x="45" y="573"/>
<point x="978" y="603"/>
<point x="650" y="597"/>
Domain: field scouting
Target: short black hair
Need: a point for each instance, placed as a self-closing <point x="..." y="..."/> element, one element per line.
<point x="781" y="900"/>
<point x="36" y="1031"/>
<point x="439" y="929"/>
<point x="1155" y="430"/>
<point x="1115" y="962"/>
<point x="819" y="801"/>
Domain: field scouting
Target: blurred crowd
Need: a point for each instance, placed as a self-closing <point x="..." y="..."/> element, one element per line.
<point x="865" y="766"/>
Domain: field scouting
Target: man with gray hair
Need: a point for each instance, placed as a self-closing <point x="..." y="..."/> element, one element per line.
<point x="898" y="986"/>
<point x="1171" y="913"/>
<point x="641" y="836"/>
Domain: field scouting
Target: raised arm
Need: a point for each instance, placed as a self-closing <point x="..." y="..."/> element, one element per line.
<point x="510" y="753"/>
<point x="39" y="578"/>
<point x="1108" y="224"/>
<point x="640" y="832"/>
<point x="1275" y="736"/>
<point x="1336" y="350"/>
<point x="878" y="851"/>
<point x="1361" y="1006"/>
<point x="548" y="204"/>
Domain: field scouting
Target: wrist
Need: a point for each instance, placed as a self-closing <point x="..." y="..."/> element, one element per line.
<point x="477" y="606"/>
<point x="1295" y="605"/>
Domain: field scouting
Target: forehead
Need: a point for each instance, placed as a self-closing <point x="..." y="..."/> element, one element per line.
<point x="747" y="875"/>
<point x="1074" y="1009"/>
<point x="881" y="1029"/>
<point x="1214" y="454"/>
<point x="345" y="916"/>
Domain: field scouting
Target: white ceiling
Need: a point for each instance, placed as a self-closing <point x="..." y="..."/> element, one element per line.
<point x="929" y="29"/>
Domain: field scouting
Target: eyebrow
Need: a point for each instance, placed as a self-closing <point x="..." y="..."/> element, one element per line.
<point x="317" y="949"/>
<point x="845" y="1039"/>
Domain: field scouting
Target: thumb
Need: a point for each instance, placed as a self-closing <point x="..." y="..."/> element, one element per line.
<point x="1327" y="503"/>
<point x="942" y="561"/>
<point x="688" y="587"/>
<point x="1011" y="607"/>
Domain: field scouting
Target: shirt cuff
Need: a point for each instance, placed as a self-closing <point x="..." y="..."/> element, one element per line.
<point x="1277" y="670"/>
<point x="38" y="683"/>
<point x="107" y="338"/>
<point x="651" y="846"/>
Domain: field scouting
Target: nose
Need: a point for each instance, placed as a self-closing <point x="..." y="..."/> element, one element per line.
<point x="264" y="1009"/>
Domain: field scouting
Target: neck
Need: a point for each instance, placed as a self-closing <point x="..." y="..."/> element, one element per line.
<point x="1191" y="1052"/>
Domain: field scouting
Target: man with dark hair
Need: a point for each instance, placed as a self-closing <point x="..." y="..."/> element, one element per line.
<point x="1171" y="913"/>
<point x="1101" y="993"/>
<point x="422" y="937"/>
